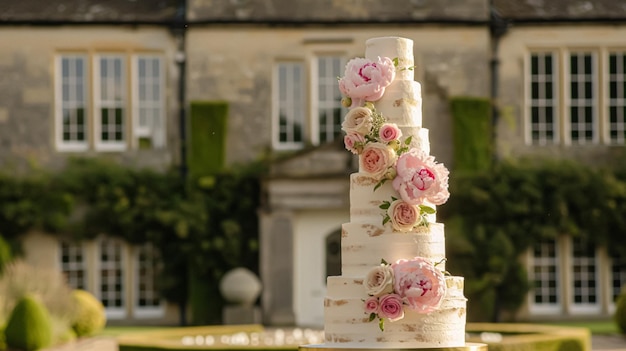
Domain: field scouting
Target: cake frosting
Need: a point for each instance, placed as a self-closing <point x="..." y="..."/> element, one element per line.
<point x="393" y="291"/>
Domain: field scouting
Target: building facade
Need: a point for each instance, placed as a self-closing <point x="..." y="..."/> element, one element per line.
<point x="113" y="80"/>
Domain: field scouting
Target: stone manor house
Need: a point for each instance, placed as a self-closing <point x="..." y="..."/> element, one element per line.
<point x="111" y="79"/>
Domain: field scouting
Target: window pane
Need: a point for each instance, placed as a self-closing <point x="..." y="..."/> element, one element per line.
<point x="148" y="267"/>
<point x="73" y="264"/>
<point x="617" y="97"/>
<point x="111" y="274"/>
<point x="582" y="97"/>
<point x="112" y="100"/>
<point x="584" y="273"/>
<point x="545" y="275"/>
<point x="291" y="104"/>
<point x="542" y="103"/>
<point x="329" y="99"/>
<point x="72" y="99"/>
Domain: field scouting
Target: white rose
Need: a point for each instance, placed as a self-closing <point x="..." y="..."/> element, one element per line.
<point x="358" y="120"/>
<point x="379" y="281"/>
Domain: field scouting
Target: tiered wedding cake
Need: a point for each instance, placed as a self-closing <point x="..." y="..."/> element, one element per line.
<point x="393" y="291"/>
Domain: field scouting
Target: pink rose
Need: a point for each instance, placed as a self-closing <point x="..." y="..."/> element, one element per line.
<point x="379" y="281"/>
<point x="420" y="284"/>
<point x="371" y="305"/>
<point x="376" y="159"/>
<point x="404" y="217"/>
<point x="419" y="179"/>
<point x="389" y="132"/>
<point x="358" y="120"/>
<point x="391" y="307"/>
<point x="354" y="142"/>
<point x="366" y="80"/>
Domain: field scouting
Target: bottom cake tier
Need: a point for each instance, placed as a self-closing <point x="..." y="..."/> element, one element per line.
<point x="346" y="325"/>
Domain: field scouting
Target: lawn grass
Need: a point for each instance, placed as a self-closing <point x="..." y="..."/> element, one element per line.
<point x="597" y="327"/>
<point x="127" y="329"/>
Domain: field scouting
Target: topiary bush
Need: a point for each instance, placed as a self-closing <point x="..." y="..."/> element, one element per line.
<point x="90" y="317"/>
<point x="28" y="327"/>
<point x="620" y="311"/>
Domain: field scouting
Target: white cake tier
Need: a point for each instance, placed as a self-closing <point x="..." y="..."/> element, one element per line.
<point x="364" y="245"/>
<point x="402" y="104"/>
<point x="365" y="201"/>
<point x="393" y="47"/>
<point x="346" y="324"/>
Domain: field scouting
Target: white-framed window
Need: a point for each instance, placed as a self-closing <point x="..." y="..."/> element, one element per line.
<point x="327" y="109"/>
<point x="111" y="285"/>
<point x="290" y="110"/>
<point x="148" y="302"/>
<point x="545" y="296"/>
<point x="73" y="265"/>
<point x="103" y="104"/>
<point x="585" y="296"/>
<point x="575" y="96"/>
<point x="543" y="104"/>
<point x="149" y="101"/>
<point x="582" y="98"/>
<point x="71" y="102"/>
<point x="616" y="98"/>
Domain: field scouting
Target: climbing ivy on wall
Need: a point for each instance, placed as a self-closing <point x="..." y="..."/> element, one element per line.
<point x="496" y="215"/>
<point x="207" y="134"/>
<point x="210" y="224"/>
<point x="472" y="133"/>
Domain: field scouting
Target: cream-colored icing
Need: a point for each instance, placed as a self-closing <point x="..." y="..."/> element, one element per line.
<point x="363" y="245"/>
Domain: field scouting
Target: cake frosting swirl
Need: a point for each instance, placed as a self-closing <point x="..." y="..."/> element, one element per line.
<point x="393" y="291"/>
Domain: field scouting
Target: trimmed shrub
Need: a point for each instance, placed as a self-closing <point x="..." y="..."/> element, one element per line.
<point x="620" y="311"/>
<point x="90" y="317"/>
<point x="29" y="326"/>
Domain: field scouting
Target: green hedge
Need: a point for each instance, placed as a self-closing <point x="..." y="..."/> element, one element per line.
<point x="496" y="215"/>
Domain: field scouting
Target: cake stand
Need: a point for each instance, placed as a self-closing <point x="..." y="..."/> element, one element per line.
<point x="323" y="347"/>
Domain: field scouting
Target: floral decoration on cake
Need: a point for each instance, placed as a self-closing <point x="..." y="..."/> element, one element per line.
<point x="415" y="175"/>
<point x="415" y="284"/>
<point x="405" y="217"/>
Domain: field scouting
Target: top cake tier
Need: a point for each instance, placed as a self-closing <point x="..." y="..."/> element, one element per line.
<point x="393" y="47"/>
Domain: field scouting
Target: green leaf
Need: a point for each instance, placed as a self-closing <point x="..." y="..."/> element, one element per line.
<point x="386" y="219"/>
<point x="381" y="324"/>
<point x="382" y="261"/>
<point x="385" y="205"/>
<point x="372" y="317"/>
<point x="427" y="209"/>
<point x="408" y="140"/>
<point x="396" y="62"/>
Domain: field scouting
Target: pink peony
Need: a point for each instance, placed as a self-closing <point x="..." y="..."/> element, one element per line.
<point x="371" y="305"/>
<point x="391" y="307"/>
<point x="366" y="80"/>
<point x="389" y="132"/>
<point x="358" y="120"/>
<point x="404" y="216"/>
<point x="419" y="283"/>
<point x="419" y="179"/>
<point x="354" y="142"/>
<point x="376" y="159"/>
